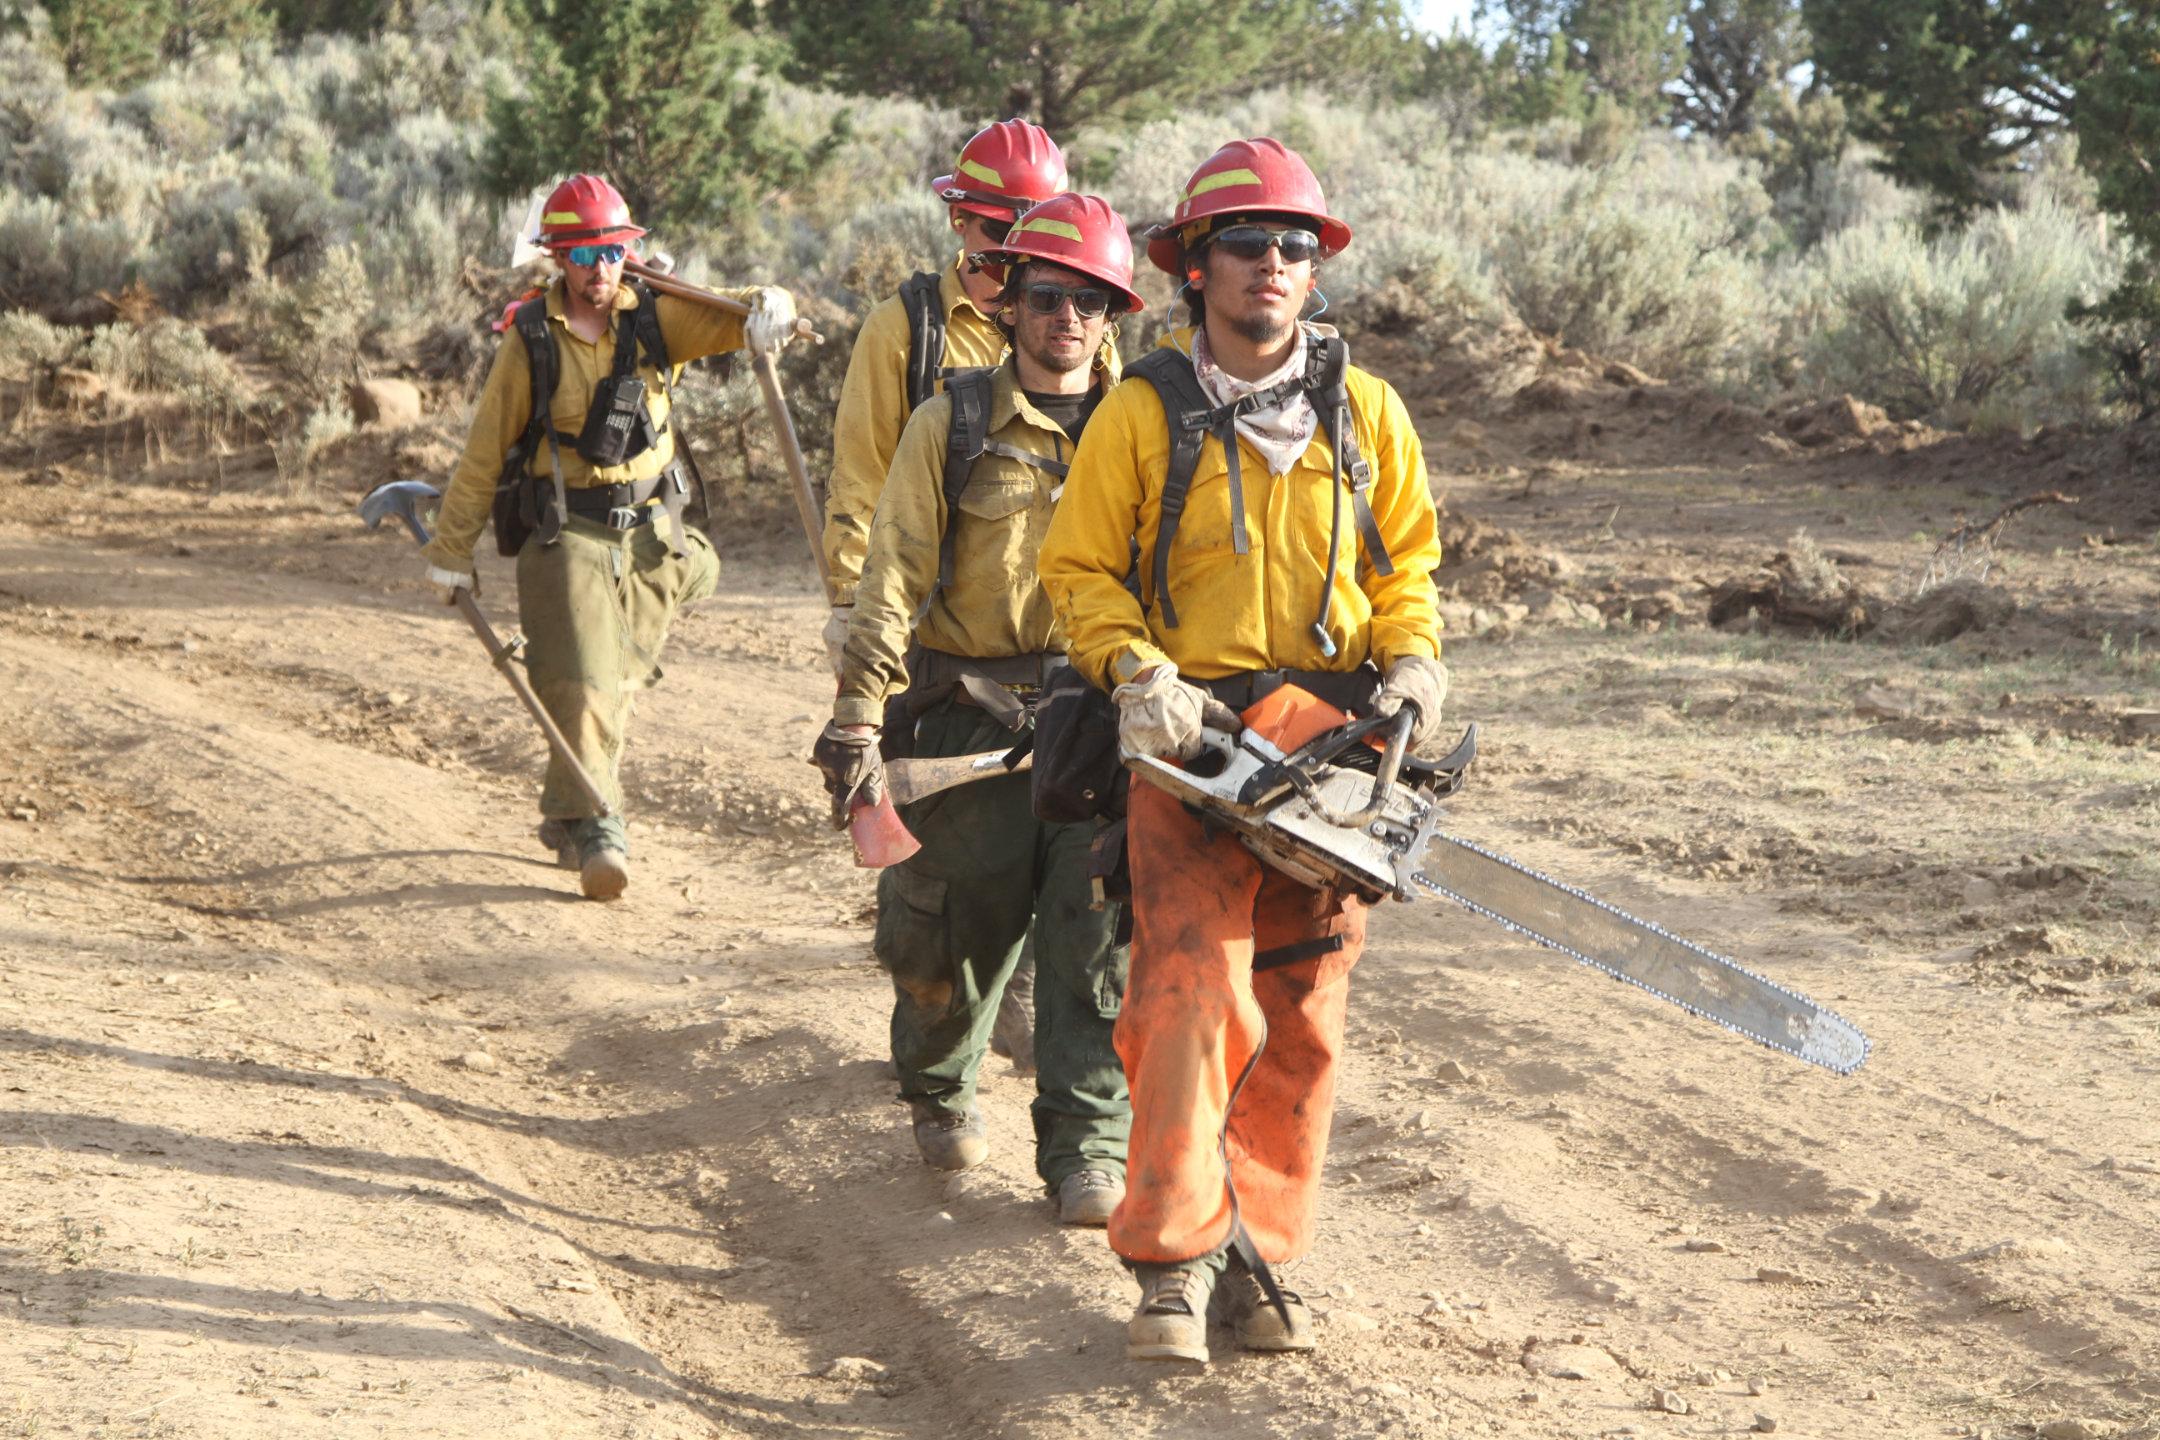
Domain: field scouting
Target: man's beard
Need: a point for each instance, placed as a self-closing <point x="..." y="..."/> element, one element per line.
<point x="1060" y="364"/>
<point x="1262" y="329"/>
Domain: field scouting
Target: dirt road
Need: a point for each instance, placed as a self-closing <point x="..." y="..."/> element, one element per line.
<point x="326" y="1110"/>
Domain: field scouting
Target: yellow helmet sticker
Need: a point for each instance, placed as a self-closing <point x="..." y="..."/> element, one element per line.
<point x="1062" y="228"/>
<point x="1220" y="180"/>
<point x="983" y="173"/>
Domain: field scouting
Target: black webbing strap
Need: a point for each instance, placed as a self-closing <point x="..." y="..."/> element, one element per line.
<point x="643" y="325"/>
<point x="1326" y="369"/>
<point x="969" y="391"/>
<point x="544" y="521"/>
<point x="1026" y="457"/>
<point x="920" y="296"/>
<point x="1275" y="957"/>
<point x="1185" y="408"/>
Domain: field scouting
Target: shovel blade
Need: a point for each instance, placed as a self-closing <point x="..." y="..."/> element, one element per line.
<point x="880" y="837"/>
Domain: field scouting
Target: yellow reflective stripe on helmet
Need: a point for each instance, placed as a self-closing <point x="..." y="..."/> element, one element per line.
<point x="983" y="173"/>
<point x="561" y="217"/>
<point x="1048" y="226"/>
<point x="1220" y="180"/>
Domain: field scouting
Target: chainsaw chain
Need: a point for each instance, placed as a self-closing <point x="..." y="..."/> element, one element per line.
<point x="1432" y="887"/>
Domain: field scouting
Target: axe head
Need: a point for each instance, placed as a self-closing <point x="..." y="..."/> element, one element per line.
<point x="880" y="837"/>
<point x="401" y="499"/>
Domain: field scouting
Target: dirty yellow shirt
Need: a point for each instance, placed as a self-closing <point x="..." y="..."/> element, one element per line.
<point x="1236" y="612"/>
<point x="995" y="606"/>
<point x="873" y="410"/>
<point x="691" y="330"/>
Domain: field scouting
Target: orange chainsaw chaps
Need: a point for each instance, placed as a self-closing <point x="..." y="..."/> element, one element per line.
<point x="1195" y="1012"/>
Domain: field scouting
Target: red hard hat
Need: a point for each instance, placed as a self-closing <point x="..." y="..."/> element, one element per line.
<point x="1247" y="177"/>
<point x="582" y="210"/>
<point x="1079" y="232"/>
<point x="1003" y="170"/>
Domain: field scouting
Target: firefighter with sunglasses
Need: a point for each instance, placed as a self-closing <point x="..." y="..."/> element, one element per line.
<point x="940" y="321"/>
<point x="1248" y="522"/>
<point x="950" y="614"/>
<point x="573" y="451"/>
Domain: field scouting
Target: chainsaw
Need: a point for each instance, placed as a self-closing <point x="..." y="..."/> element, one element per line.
<point x="1350" y="809"/>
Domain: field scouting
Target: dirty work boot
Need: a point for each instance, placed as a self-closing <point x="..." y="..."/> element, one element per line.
<point x="948" y="1141"/>
<point x="1086" y="1197"/>
<point x="1013" y="1033"/>
<point x="1259" y="1326"/>
<point x="603" y="857"/>
<point x="1171" y="1323"/>
<point x="555" y="836"/>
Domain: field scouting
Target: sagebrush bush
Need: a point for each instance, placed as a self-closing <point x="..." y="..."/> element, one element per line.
<point x="32" y="347"/>
<point x="315" y="329"/>
<point x="1961" y="326"/>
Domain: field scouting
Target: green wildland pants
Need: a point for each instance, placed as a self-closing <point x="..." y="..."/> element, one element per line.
<point x="950" y="921"/>
<point x="595" y="607"/>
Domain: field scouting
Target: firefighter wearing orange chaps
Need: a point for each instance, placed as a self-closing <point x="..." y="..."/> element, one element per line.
<point x="1234" y="965"/>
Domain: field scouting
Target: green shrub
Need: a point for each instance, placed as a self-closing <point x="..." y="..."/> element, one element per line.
<point x="315" y="329"/>
<point x="1966" y="325"/>
<point x="32" y="347"/>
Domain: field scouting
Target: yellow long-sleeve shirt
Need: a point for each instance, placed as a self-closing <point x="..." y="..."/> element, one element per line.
<point x="995" y="606"/>
<point x="873" y="410"/>
<point x="1240" y="612"/>
<point x="691" y="330"/>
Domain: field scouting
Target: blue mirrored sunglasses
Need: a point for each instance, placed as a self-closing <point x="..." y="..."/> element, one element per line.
<point x="596" y="254"/>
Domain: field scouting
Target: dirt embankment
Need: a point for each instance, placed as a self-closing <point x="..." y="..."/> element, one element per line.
<point x="328" y="1112"/>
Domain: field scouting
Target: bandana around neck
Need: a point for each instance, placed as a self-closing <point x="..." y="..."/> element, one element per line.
<point x="1281" y="432"/>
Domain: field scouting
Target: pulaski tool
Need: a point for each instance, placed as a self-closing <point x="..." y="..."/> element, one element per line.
<point x="1339" y="811"/>
<point x="403" y="499"/>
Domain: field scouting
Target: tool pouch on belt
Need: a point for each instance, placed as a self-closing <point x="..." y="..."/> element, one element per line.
<point x="1076" y="774"/>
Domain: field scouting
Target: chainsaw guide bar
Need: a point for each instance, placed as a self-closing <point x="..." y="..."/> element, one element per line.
<point x="1338" y="812"/>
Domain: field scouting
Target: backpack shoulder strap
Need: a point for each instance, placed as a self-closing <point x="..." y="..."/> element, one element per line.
<point x="1326" y="370"/>
<point x="965" y="442"/>
<point x="645" y="325"/>
<point x="1186" y="410"/>
<point x="545" y="366"/>
<point x="919" y="296"/>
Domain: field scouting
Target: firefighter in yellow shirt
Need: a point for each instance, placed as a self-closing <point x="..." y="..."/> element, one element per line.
<point x="950" y="618"/>
<point x="1267" y="504"/>
<point x="939" y="322"/>
<point x="575" y="425"/>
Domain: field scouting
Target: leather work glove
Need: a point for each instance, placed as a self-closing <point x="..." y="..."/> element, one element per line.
<point x="771" y="321"/>
<point x="1420" y="682"/>
<point x="835" y="637"/>
<point x="1159" y="715"/>
<point x="447" y="583"/>
<point x="847" y="756"/>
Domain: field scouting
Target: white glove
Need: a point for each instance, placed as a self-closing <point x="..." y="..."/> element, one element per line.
<point x="771" y="321"/>
<point x="1422" y="683"/>
<point x="448" y="582"/>
<point x="835" y="636"/>
<point x="1159" y="716"/>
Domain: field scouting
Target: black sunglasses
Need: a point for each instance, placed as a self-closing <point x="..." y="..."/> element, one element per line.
<point x="1045" y="298"/>
<point x="1250" y="242"/>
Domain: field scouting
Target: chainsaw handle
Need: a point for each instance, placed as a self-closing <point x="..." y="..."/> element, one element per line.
<point x="1397" y="728"/>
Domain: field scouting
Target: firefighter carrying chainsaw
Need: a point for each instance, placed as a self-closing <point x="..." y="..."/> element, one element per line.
<point x="951" y="561"/>
<point x="940" y="322"/>
<point x="573" y="453"/>
<point x="1248" y="525"/>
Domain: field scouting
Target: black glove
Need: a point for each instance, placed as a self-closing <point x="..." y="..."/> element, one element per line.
<point x="854" y="771"/>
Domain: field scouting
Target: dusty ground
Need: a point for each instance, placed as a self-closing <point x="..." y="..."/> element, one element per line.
<point x="328" y="1111"/>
